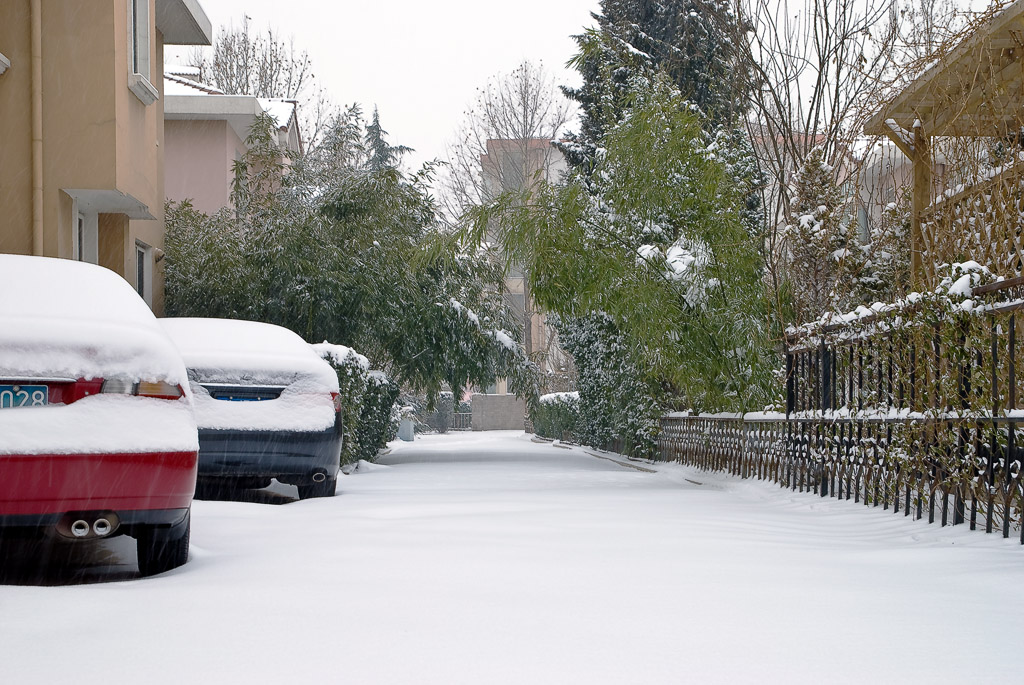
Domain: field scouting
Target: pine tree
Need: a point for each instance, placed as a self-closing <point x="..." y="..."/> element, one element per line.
<point x="825" y="258"/>
<point x="688" y="40"/>
<point x="381" y="154"/>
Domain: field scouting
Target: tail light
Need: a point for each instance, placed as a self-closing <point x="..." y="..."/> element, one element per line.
<point x="337" y="402"/>
<point x="158" y="389"/>
<point x="161" y="390"/>
<point x="119" y="386"/>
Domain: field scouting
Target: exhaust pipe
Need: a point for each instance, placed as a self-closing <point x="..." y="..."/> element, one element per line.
<point x="319" y="477"/>
<point x="88" y="525"/>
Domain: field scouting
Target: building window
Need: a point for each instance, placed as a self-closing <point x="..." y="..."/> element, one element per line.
<point x="139" y="33"/>
<point x="85" y="237"/>
<point x="80" y="239"/>
<point x="863" y="225"/>
<point x="139" y="22"/>
<point x="144" y="271"/>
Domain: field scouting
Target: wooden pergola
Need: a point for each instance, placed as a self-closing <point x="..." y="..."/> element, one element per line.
<point x="974" y="91"/>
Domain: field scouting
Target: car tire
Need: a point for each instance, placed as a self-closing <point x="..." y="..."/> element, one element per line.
<point x="162" y="550"/>
<point x="324" y="488"/>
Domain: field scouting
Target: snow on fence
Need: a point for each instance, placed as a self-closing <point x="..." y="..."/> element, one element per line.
<point x="919" y="411"/>
<point x="860" y="460"/>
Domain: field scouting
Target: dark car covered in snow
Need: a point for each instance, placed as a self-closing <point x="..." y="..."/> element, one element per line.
<point x="266" y="404"/>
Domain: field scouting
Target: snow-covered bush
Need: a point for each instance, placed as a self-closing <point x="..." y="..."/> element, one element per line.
<point x="888" y="275"/>
<point x="366" y="402"/>
<point x="824" y="258"/>
<point x="936" y="360"/>
<point x="926" y="343"/>
<point x="616" y="401"/>
<point x="378" y="420"/>
<point x="557" y="415"/>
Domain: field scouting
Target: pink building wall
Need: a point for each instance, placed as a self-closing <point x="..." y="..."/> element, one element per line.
<point x="199" y="157"/>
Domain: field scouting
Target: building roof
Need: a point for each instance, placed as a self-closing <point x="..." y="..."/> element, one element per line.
<point x="187" y="99"/>
<point x="280" y="110"/>
<point x="972" y="91"/>
<point x="177" y="84"/>
<point x="183" y="22"/>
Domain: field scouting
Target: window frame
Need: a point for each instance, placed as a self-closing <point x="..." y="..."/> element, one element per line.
<point x="85" y="236"/>
<point x="140" y="45"/>
<point x="144" y="271"/>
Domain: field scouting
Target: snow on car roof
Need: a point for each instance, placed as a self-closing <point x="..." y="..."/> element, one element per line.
<point x="65" y="318"/>
<point x="230" y="350"/>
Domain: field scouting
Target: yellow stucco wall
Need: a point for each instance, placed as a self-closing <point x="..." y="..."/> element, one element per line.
<point x="15" y="131"/>
<point x="96" y="133"/>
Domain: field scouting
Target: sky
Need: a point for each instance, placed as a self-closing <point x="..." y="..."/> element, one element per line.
<point x="420" y="63"/>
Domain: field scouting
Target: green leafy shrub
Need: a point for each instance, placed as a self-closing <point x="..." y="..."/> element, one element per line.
<point x="557" y="416"/>
<point x="619" y="406"/>
<point x="378" y="419"/>
<point x="340" y="244"/>
<point x="367" y="398"/>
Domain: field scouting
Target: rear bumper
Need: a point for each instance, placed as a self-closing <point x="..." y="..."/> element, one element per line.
<point x="52" y="484"/>
<point x="130" y="522"/>
<point x="240" y="453"/>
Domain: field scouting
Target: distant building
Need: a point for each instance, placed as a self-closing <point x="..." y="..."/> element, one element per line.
<point x="82" y="125"/>
<point x="885" y="175"/>
<point x="205" y="132"/>
<point x="513" y="165"/>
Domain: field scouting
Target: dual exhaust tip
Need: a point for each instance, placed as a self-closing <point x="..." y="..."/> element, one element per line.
<point x="82" y="525"/>
<point x="101" y="527"/>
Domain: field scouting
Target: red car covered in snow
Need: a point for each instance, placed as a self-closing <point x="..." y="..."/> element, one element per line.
<point x="97" y="433"/>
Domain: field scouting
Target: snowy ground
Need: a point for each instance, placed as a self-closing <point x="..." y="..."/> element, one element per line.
<point x="488" y="558"/>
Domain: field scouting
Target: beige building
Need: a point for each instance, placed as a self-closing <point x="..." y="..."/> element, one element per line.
<point x="205" y="132"/>
<point x="512" y="165"/>
<point x="82" y="129"/>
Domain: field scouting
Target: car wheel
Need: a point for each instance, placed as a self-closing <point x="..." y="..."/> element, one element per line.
<point x="161" y="550"/>
<point x="324" y="488"/>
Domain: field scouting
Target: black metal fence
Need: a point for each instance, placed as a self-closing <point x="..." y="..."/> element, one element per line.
<point x="962" y="481"/>
<point x="923" y="420"/>
<point x="966" y="362"/>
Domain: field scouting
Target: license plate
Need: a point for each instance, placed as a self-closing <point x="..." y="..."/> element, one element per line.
<point x="23" y="396"/>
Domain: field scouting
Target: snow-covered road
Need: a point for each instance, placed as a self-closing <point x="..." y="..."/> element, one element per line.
<point x="488" y="558"/>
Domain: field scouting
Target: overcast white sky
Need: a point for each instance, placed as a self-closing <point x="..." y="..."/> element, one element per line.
<point x="419" y="62"/>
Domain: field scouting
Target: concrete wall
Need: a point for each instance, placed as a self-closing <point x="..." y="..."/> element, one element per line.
<point x="498" y="412"/>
